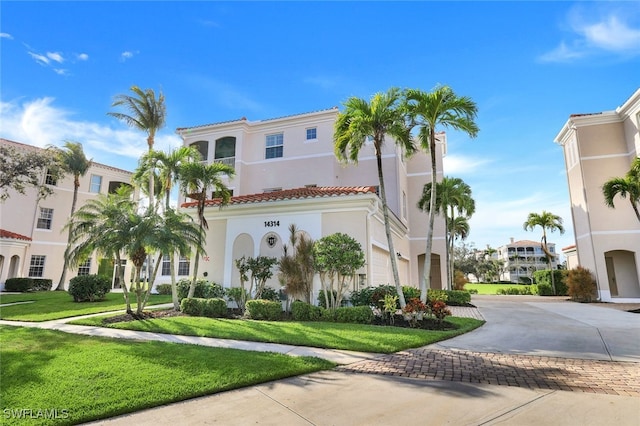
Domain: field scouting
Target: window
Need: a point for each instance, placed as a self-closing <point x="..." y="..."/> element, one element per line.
<point x="96" y="183"/>
<point x="85" y="268"/>
<point x="202" y="147"/>
<point x="312" y="133"/>
<point x="274" y="146"/>
<point x="166" y="265"/>
<point x="50" y="179"/>
<point x="45" y="218"/>
<point x="36" y="267"/>
<point x="183" y="266"/>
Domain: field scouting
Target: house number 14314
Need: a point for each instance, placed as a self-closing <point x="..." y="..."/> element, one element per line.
<point x="271" y="223"/>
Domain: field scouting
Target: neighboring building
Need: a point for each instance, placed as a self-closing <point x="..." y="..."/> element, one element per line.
<point x="32" y="241"/>
<point x="598" y="147"/>
<point x="522" y="258"/>
<point x="287" y="173"/>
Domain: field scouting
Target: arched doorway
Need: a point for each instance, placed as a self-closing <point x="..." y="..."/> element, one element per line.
<point x="242" y="246"/>
<point x="436" y="272"/>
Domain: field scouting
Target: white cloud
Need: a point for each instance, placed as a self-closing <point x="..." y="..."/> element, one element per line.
<point x="82" y="57"/>
<point x="460" y="165"/>
<point x="55" y="56"/>
<point x="6" y="35"/>
<point x="61" y="71"/>
<point x="126" y="55"/>
<point x="594" y="31"/>
<point x="39" y="122"/>
<point x="41" y="59"/>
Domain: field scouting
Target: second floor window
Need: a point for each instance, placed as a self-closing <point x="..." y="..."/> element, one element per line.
<point x="45" y="218"/>
<point x="50" y="179"/>
<point x="312" y="133"/>
<point x="96" y="183"/>
<point x="275" y="144"/>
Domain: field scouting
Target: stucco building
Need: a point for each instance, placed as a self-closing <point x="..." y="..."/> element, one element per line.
<point x="522" y="258"/>
<point x="287" y="173"/>
<point x="598" y="147"/>
<point x="32" y="239"/>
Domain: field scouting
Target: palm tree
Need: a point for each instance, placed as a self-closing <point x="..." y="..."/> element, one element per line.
<point x="453" y="195"/>
<point x="623" y="186"/>
<point x="73" y="161"/>
<point x="195" y="180"/>
<point x="375" y="119"/>
<point x="440" y="107"/>
<point x="165" y="167"/>
<point x="146" y="113"/>
<point x="111" y="225"/>
<point x="458" y="228"/>
<point x="547" y="221"/>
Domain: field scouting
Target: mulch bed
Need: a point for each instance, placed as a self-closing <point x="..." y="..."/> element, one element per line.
<point x="144" y="316"/>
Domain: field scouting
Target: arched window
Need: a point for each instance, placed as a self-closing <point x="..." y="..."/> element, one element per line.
<point x="226" y="151"/>
<point x="203" y="149"/>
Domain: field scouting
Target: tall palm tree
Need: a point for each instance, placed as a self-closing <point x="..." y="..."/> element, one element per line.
<point x="166" y="166"/>
<point x="375" y="119"/>
<point x="453" y="195"/>
<point x="195" y="180"/>
<point x="547" y="221"/>
<point x="145" y="112"/>
<point x="111" y="225"/>
<point x="430" y="110"/>
<point x="73" y="161"/>
<point x="623" y="186"/>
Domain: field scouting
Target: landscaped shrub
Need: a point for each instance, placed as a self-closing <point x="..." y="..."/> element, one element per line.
<point x="163" y="288"/>
<point x="439" y="310"/>
<point x="269" y="293"/>
<point x="581" y="285"/>
<point x="354" y="314"/>
<point x="409" y="292"/>
<point x="374" y="296"/>
<point x="264" y="310"/>
<point x="192" y="306"/>
<point x="459" y="280"/>
<point x="89" y="288"/>
<point x="322" y="302"/>
<point x="301" y="311"/>
<point x="458" y="298"/>
<point x="433" y="294"/>
<point x="414" y="311"/>
<point x="204" y="289"/>
<point x="214" y="308"/>
<point x="42" y="284"/>
<point x="18" y="284"/>
<point x="545" y="290"/>
<point x="472" y="291"/>
<point x="559" y="276"/>
<point x="361" y="297"/>
<point x="237" y="295"/>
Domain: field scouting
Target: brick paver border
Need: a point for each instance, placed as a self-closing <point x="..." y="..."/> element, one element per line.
<point x="533" y="372"/>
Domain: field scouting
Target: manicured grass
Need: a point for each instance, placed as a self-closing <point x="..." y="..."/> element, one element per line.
<point x="92" y="378"/>
<point x="50" y="305"/>
<point x="354" y="337"/>
<point x="491" y="288"/>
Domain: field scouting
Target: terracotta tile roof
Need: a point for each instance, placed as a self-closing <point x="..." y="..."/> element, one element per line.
<point x="8" y="234"/>
<point x="571" y="247"/>
<point x="292" y="194"/>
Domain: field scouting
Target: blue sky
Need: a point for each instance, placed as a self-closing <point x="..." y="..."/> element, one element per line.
<point x="528" y="66"/>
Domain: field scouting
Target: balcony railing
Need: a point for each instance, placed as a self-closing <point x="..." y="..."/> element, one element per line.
<point x="228" y="161"/>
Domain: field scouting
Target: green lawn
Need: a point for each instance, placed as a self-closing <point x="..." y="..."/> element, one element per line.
<point x="89" y="378"/>
<point x="355" y="337"/>
<point x="491" y="288"/>
<point x="49" y="305"/>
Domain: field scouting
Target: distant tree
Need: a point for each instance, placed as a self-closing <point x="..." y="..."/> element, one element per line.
<point x="20" y="170"/>
<point x="629" y="185"/>
<point x="72" y="159"/>
<point x="465" y="259"/>
<point x="546" y="221"/>
<point x="338" y="257"/>
<point x="429" y="110"/>
<point x="361" y="120"/>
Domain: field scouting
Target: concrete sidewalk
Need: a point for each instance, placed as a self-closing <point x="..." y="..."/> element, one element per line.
<point x="516" y="328"/>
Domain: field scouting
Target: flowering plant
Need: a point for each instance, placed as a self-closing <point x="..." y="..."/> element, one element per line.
<point x="439" y="310"/>
<point x="414" y="310"/>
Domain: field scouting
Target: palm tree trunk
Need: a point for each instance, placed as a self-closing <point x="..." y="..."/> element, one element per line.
<point x="63" y="277"/>
<point x="432" y="215"/>
<point x="174" y="287"/>
<point x="196" y="263"/>
<point x="635" y="209"/>
<point x="125" y="291"/>
<point x="387" y="230"/>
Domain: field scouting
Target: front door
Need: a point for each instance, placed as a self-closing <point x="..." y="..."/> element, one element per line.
<point x="611" y="275"/>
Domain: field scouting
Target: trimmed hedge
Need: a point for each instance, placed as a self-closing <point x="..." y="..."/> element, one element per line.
<point x="42" y="284"/>
<point x="18" y="284"/>
<point x="458" y="298"/>
<point x="200" y="307"/>
<point x="164" y="288"/>
<point x="204" y="289"/>
<point x="355" y="315"/>
<point x="301" y="311"/>
<point x="264" y="310"/>
<point x="89" y="288"/>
